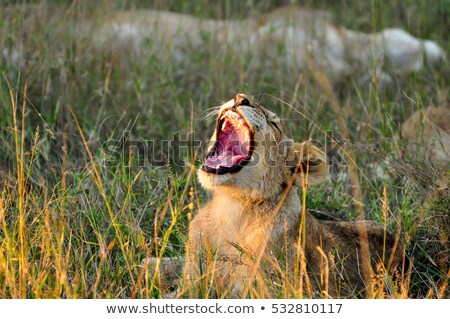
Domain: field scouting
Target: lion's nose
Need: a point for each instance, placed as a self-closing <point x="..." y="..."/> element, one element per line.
<point x="240" y="99"/>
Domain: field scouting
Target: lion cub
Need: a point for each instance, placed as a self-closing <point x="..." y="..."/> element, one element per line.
<point x="427" y="133"/>
<point x="246" y="238"/>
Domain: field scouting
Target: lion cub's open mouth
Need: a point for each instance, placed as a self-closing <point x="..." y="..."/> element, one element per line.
<point x="233" y="147"/>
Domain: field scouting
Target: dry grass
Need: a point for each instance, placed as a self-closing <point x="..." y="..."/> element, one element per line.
<point x="73" y="227"/>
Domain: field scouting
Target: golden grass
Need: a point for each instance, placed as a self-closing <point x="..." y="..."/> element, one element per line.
<point x="71" y="228"/>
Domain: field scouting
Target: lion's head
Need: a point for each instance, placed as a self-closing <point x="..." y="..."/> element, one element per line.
<point x="249" y="152"/>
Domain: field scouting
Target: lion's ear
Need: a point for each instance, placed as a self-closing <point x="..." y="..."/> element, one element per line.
<point x="307" y="164"/>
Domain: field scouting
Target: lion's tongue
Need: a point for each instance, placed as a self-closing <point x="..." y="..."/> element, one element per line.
<point x="230" y="148"/>
<point x="226" y="159"/>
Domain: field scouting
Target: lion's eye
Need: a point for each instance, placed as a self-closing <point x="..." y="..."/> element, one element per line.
<point x="245" y="102"/>
<point x="276" y="126"/>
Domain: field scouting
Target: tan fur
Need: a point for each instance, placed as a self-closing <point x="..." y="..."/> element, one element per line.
<point x="254" y="213"/>
<point x="427" y="133"/>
